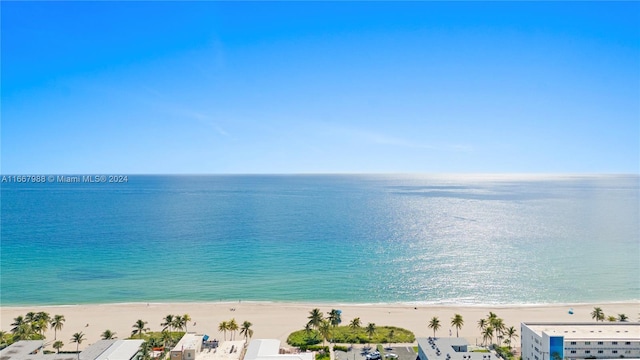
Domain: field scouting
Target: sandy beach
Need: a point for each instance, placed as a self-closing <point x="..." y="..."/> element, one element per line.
<point x="278" y="320"/>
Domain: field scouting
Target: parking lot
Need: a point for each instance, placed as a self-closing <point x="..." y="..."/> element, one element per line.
<point x="358" y="353"/>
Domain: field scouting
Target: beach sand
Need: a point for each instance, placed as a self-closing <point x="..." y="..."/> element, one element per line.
<point x="278" y="320"/>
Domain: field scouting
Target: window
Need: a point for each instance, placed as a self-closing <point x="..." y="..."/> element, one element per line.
<point x="628" y="343"/>
<point x="587" y="342"/>
<point x="587" y="351"/>
<point x="573" y="343"/>
<point x="614" y="351"/>
<point x="573" y="351"/>
<point x="614" y="343"/>
<point x="600" y="342"/>
<point x="600" y="351"/>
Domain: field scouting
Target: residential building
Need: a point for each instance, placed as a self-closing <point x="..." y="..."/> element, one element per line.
<point x="573" y="341"/>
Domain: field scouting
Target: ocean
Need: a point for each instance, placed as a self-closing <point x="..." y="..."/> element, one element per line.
<point x="441" y="239"/>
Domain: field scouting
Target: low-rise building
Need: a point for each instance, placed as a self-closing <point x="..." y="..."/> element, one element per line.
<point x="188" y="347"/>
<point x="574" y="341"/>
<point x="100" y="350"/>
<point x="269" y="349"/>
<point x="448" y="348"/>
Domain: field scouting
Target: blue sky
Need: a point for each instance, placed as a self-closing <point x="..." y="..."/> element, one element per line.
<point x="319" y="87"/>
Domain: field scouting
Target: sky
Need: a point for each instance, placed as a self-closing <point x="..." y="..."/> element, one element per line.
<point x="319" y="87"/>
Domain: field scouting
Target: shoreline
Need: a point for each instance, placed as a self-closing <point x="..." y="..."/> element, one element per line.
<point x="278" y="319"/>
<point x="334" y="303"/>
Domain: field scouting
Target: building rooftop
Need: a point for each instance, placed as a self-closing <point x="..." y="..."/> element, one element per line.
<point x="269" y="349"/>
<point x="589" y="331"/>
<point x="120" y="350"/>
<point x="188" y="341"/>
<point x="101" y="350"/>
<point x="450" y="348"/>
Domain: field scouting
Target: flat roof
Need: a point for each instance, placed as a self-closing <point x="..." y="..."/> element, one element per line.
<point x="269" y="349"/>
<point x="589" y="331"/>
<point x="100" y="350"/>
<point x="121" y="350"/>
<point x="188" y="341"/>
<point x="93" y="351"/>
<point x="430" y="347"/>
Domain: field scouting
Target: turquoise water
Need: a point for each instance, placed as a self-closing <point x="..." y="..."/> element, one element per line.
<point x="352" y="238"/>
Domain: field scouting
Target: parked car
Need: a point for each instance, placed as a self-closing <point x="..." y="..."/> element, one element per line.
<point x="391" y="356"/>
<point x="374" y="356"/>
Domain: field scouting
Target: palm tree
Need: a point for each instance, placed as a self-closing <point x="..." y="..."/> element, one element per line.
<point x="482" y="324"/>
<point x="186" y="318"/>
<point x="354" y="325"/>
<point x="145" y="350"/>
<point x="623" y="317"/>
<point x="371" y="330"/>
<point x="334" y="317"/>
<point x="77" y="338"/>
<point x="511" y="333"/>
<point x="179" y="322"/>
<point x="40" y="322"/>
<point x="58" y="345"/>
<point x="246" y="330"/>
<point x="491" y="316"/>
<point x="166" y="338"/>
<point x="308" y="329"/>
<point x="597" y="314"/>
<point x="16" y="323"/>
<point x="30" y="317"/>
<point x="224" y="326"/>
<point x="233" y="327"/>
<point x="498" y="326"/>
<point x="612" y="318"/>
<point x="24" y="331"/>
<point x="487" y="334"/>
<point x="391" y="335"/>
<point x="434" y="324"/>
<point x="457" y="322"/>
<point x="168" y="323"/>
<point x="108" y="335"/>
<point x="139" y="328"/>
<point x="315" y="318"/>
<point x="325" y="330"/>
<point x="56" y="324"/>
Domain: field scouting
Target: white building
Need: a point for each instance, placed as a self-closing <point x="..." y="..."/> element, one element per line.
<point x="269" y="349"/>
<point x="549" y="341"/>
<point x="100" y="350"/>
<point x="187" y="348"/>
<point x="448" y="348"/>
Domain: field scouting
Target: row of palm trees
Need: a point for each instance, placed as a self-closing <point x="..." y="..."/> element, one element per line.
<point x="77" y="338"/>
<point x="488" y="326"/>
<point x="598" y="315"/>
<point x="180" y="322"/>
<point x="325" y="326"/>
<point x="33" y="325"/>
<point x="232" y="326"/>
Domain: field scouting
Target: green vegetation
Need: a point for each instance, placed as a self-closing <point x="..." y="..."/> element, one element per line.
<point x="457" y="321"/>
<point x="504" y="352"/>
<point x="158" y="339"/>
<point x="320" y="329"/>
<point x="347" y="335"/>
<point x="480" y="350"/>
<point x="340" y="348"/>
<point x="434" y="324"/>
<point x="597" y="314"/>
